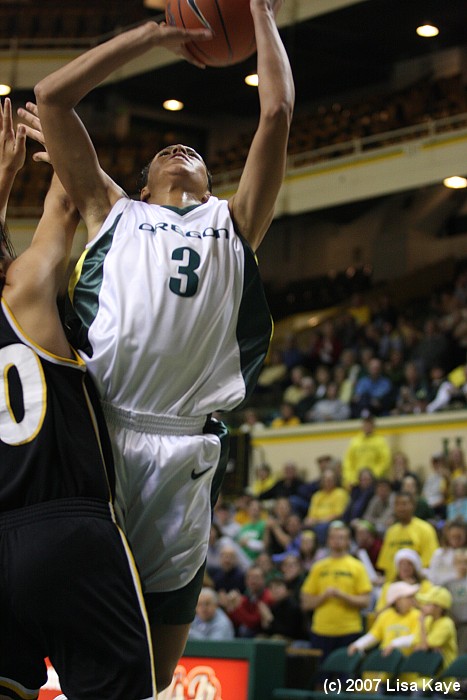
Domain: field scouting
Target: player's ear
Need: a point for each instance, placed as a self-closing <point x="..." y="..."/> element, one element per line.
<point x="205" y="197"/>
<point x="144" y="194"/>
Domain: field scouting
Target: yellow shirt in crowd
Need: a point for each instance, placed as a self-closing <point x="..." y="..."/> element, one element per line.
<point x="328" y="505"/>
<point x="441" y="634"/>
<point x="370" y="451"/>
<point x="334" y="617"/>
<point x="390" y="625"/>
<point x="418" y="535"/>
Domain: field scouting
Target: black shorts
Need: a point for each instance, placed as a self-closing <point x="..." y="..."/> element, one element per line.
<point x="69" y="590"/>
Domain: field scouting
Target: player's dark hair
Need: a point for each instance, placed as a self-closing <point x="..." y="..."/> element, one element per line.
<point x="144" y="174"/>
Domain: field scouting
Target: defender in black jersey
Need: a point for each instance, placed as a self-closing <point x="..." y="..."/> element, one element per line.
<point x="68" y="587"/>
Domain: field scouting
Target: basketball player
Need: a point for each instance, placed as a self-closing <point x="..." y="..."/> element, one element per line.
<point x="170" y="311"/>
<point x="68" y="587"/>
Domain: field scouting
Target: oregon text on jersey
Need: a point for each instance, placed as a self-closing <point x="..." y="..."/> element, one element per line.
<point x="209" y="232"/>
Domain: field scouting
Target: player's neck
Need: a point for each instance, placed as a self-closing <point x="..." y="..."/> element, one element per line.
<point x="175" y="197"/>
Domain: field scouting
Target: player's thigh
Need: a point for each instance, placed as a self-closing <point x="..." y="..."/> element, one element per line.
<point x="169" y="644"/>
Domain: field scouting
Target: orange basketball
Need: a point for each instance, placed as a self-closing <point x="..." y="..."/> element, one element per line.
<point x="230" y="21"/>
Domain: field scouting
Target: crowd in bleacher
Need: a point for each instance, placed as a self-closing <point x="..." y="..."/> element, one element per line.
<point x="361" y="556"/>
<point x="370" y="356"/>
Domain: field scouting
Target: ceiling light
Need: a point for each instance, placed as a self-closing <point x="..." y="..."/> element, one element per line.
<point x="455" y="182"/>
<point x="173" y="105"/>
<point x="427" y="30"/>
<point x="252" y="80"/>
<point x="4" y="89"/>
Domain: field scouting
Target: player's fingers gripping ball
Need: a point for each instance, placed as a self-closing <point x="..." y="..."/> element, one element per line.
<point x="230" y="22"/>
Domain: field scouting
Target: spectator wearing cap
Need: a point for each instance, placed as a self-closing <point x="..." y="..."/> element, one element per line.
<point x="437" y="629"/>
<point x="366" y="449"/>
<point x="408" y="532"/>
<point x="408" y="566"/>
<point x="398" y="627"/>
<point x="336" y="589"/>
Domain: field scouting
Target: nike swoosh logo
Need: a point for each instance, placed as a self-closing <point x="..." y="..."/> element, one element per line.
<point x="196" y="475"/>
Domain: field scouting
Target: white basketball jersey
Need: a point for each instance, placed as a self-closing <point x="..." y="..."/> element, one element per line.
<point x="170" y="311"/>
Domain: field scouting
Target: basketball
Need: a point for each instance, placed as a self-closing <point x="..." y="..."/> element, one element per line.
<point x="230" y="22"/>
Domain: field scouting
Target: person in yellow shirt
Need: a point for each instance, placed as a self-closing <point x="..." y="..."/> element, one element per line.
<point x="326" y="505"/>
<point x="408" y="532"/>
<point x="366" y="449"/>
<point x="397" y="627"/>
<point x="437" y="629"/>
<point x="287" y="417"/>
<point x="336" y="589"/>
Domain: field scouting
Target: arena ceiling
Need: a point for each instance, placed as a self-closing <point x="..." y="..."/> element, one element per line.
<point x="332" y="53"/>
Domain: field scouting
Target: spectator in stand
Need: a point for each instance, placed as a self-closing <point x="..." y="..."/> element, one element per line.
<point x="345" y="383"/>
<point x="294" y="574"/>
<point x="322" y="379"/>
<point x="411" y="484"/>
<point x="326" y="505"/>
<point x="264" y="480"/>
<point x="267" y="566"/>
<point x="287" y="486"/>
<point x="408" y="532"/>
<point x="336" y="590"/>
<point x="380" y="510"/>
<point x="373" y="392"/>
<point x="228" y="575"/>
<point x="329" y="408"/>
<point x="457" y="586"/>
<point x="453" y="538"/>
<point x="437" y="379"/>
<point x="301" y="501"/>
<point x="308" y="400"/>
<point x="368" y="544"/>
<point x="294" y="391"/>
<point x="250" y="611"/>
<point x="250" y="536"/>
<point x="433" y="347"/>
<point x="408" y="568"/>
<point x="329" y="347"/>
<point x="457" y="507"/>
<point x="292" y="355"/>
<point x="397" y="627"/>
<point x="413" y="388"/>
<point x="360" y="496"/>
<point x="251" y="421"/>
<point x="394" y="370"/>
<point x="436" y="485"/>
<point x="273" y="376"/>
<point x="223" y="517"/>
<point x="437" y="629"/>
<point x="286" y="620"/>
<point x="276" y="538"/>
<point x="211" y="622"/>
<point x="360" y="310"/>
<point x="400" y="467"/>
<point x="217" y="543"/>
<point x="366" y="449"/>
<point x="456" y="462"/>
<point x="308" y="550"/>
<point x="286" y="418"/>
<point x="452" y="391"/>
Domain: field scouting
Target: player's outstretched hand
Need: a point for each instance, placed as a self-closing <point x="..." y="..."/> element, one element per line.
<point x="33" y="129"/>
<point x="175" y="39"/>
<point x="12" y="145"/>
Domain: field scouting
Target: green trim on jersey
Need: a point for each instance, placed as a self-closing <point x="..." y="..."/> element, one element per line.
<point x="81" y="309"/>
<point x="254" y="325"/>
<point x="181" y="211"/>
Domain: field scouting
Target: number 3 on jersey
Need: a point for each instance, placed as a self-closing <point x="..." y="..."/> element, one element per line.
<point x="186" y="282"/>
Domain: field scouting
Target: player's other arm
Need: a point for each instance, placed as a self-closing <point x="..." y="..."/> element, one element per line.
<point x="71" y="150"/>
<point x="252" y="207"/>
<point x="34" y="278"/>
<point x="12" y="154"/>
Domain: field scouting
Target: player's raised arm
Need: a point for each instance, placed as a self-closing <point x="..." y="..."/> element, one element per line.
<point x="71" y="150"/>
<point x="252" y="206"/>
<point x="12" y="154"/>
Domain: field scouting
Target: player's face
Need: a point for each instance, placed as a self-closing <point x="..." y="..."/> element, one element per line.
<point x="179" y="158"/>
